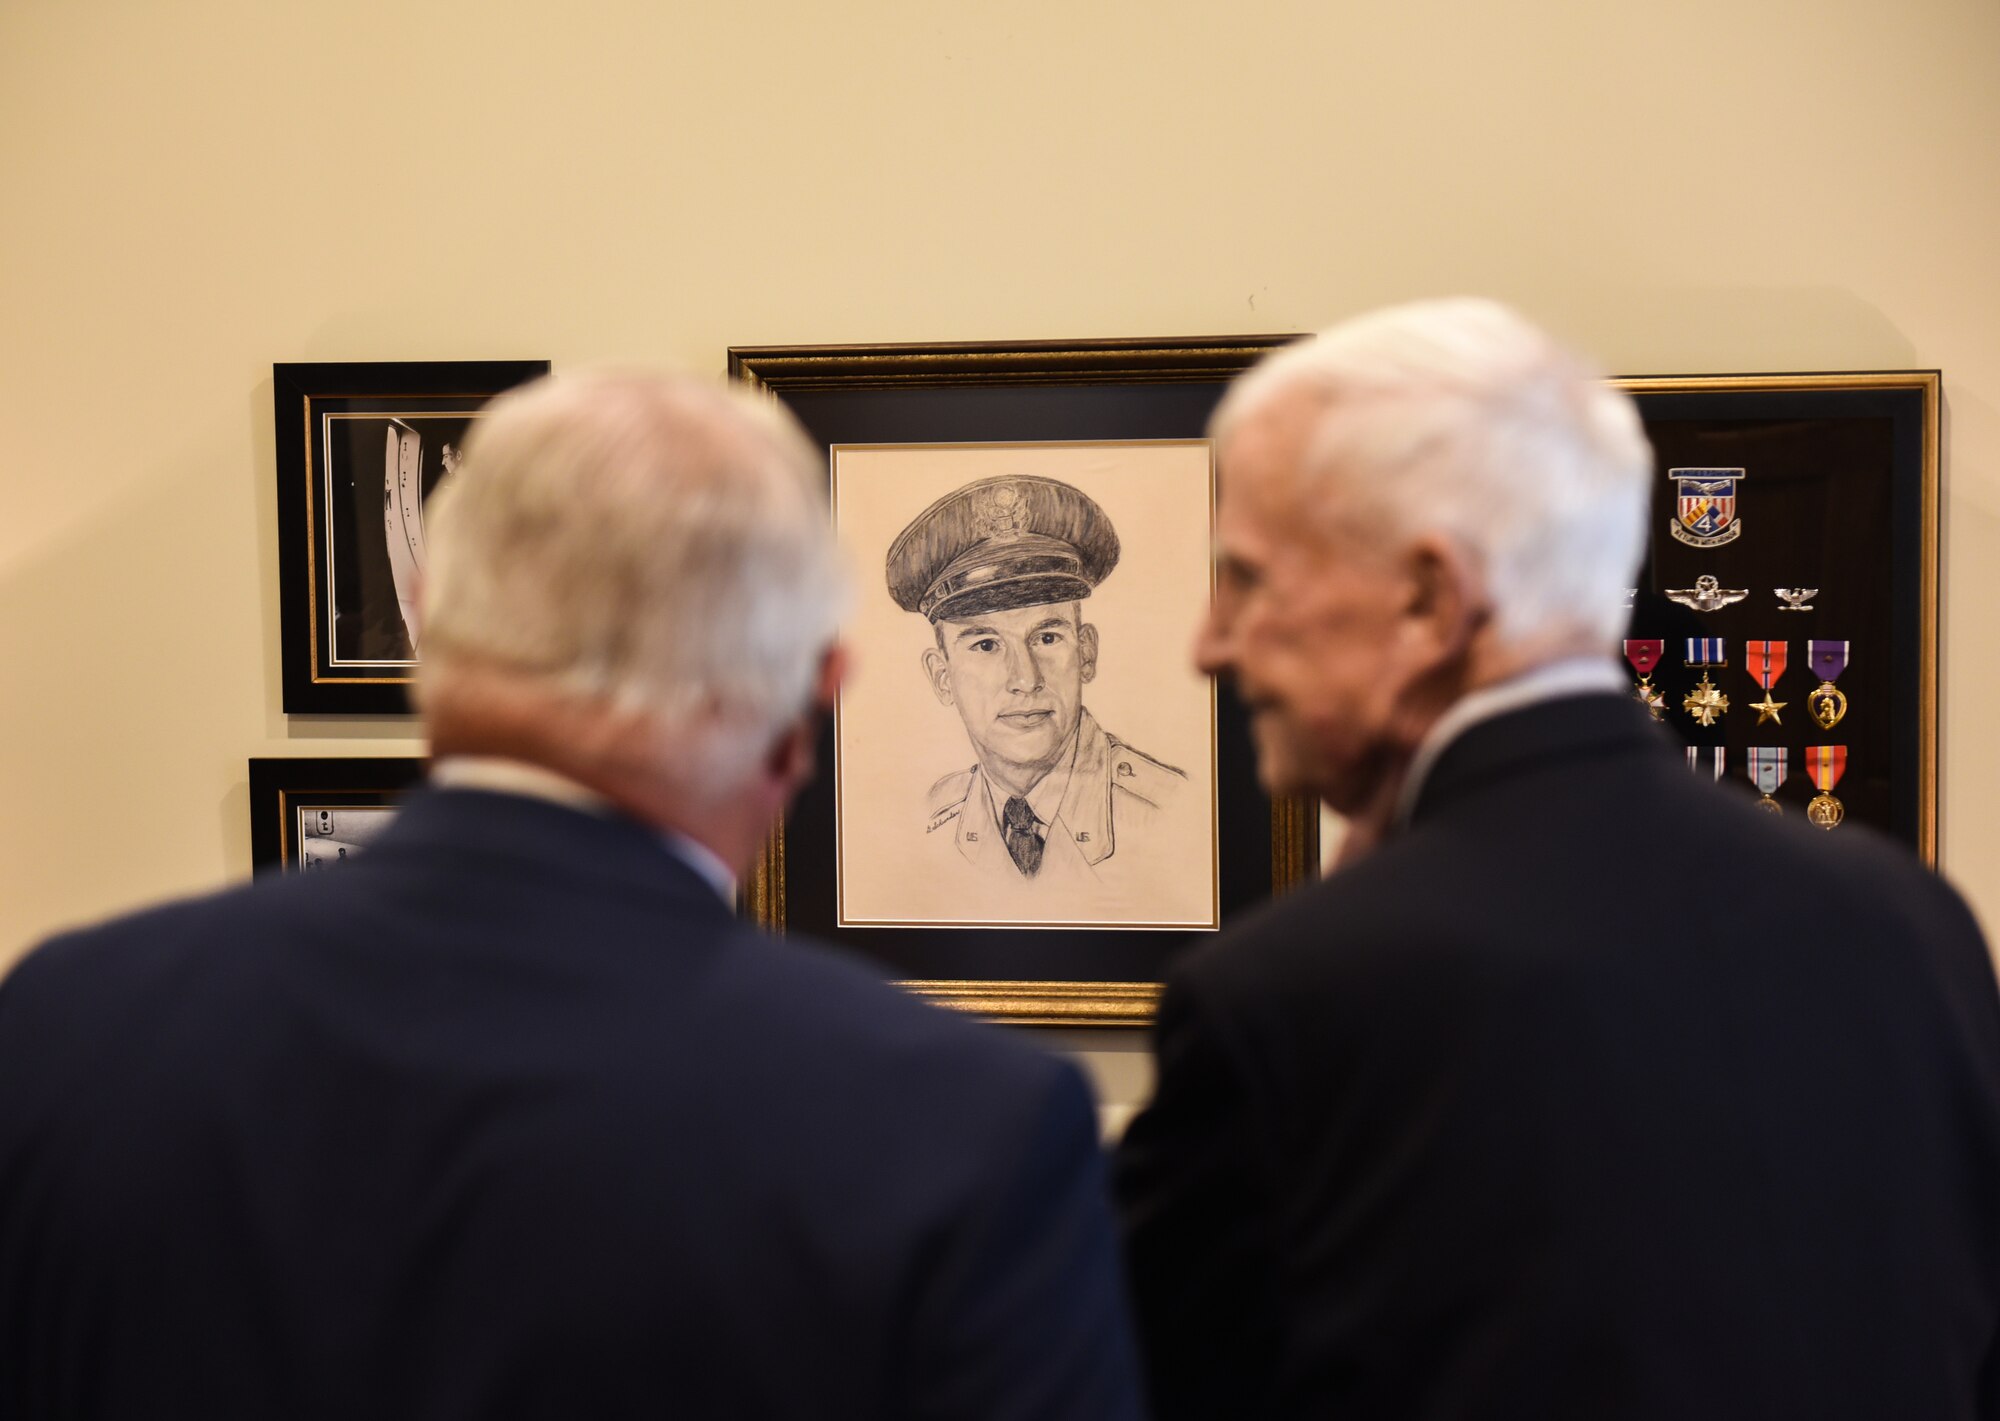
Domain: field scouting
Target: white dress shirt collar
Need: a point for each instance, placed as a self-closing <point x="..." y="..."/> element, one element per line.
<point x="500" y="775"/>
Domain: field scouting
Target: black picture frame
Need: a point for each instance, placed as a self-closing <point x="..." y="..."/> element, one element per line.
<point x="1839" y="493"/>
<point x="344" y="643"/>
<point x="998" y="393"/>
<point x="284" y="789"/>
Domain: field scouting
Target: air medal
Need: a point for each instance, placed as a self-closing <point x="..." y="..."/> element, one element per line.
<point x="1826" y="764"/>
<point x="1768" y="766"/>
<point x="1644" y="656"/>
<point x="1827" y="705"/>
<point x="1765" y="661"/>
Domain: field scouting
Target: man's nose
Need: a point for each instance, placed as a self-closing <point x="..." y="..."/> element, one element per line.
<point x="1024" y="672"/>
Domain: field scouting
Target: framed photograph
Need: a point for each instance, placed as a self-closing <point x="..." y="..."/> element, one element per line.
<point x="309" y="814"/>
<point x="1028" y="800"/>
<point x="360" y="446"/>
<point x="1786" y="622"/>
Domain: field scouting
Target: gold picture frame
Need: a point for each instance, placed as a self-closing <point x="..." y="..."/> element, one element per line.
<point x="1056" y="396"/>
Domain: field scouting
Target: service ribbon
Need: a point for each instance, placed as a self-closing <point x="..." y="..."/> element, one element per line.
<point x="1645" y="655"/>
<point x="1769" y="765"/>
<point x="1706" y="651"/>
<point x="1765" y="660"/>
<point x="1826" y="764"/>
<point x="1829" y="658"/>
<point x="1714" y="753"/>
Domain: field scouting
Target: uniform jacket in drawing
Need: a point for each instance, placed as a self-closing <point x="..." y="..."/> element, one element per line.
<point x="1109" y="799"/>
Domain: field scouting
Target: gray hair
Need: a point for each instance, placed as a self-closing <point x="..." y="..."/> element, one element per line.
<point x="659" y="543"/>
<point x="1461" y="417"/>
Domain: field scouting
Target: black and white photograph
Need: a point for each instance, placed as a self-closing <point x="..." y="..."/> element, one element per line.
<point x="333" y="834"/>
<point x="309" y="813"/>
<point x="360" y="449"/>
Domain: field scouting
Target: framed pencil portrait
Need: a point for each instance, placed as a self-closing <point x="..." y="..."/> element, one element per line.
<point x="360" y="446"/>
<point x="311" y="813"/>
<point x="1029" y="800"/>
<point x="1786" y="619"/>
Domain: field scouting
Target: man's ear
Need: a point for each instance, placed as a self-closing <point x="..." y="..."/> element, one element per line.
<point x="1445" y="604"/>
<point x="1086" y="650"/>
<point x="937" y="667"/>
<point x="790" y="761"/>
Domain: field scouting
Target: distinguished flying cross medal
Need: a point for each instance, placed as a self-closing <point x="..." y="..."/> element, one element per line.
<point x="1828" y="659"/>
<point x="1826" y="764"/>
<point x="1768" y="766"/>
<point x="1706" y="515"/>
<point x="1644" y="656"/>
<point x="1707" y="595"/>
<point x="1706" y="701"/>
<point x="1765" y="661"/>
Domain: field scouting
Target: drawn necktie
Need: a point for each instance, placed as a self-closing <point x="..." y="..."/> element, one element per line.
<point x="1018" y="827"/>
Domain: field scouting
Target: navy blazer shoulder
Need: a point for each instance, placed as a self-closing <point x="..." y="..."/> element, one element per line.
<point x="513" y="1116"/>
<point x="1593" y="1091"/>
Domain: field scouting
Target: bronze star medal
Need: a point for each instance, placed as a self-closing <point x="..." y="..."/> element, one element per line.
<point x="1705" y="702"/>
<point x="1765" y="661"/>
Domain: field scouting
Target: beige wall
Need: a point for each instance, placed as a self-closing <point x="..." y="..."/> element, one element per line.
<point x="195" y="190"/>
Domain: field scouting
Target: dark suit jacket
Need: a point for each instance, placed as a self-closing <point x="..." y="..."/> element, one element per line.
<point x="512" y="1117"/>
<point x="1594" y="1093"/>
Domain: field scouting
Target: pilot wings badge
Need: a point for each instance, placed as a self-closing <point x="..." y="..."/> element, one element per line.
<point x="1706" y="517"/>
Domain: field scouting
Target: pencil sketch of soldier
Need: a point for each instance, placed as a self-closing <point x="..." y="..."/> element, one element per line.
<point x="1001" y="568"/>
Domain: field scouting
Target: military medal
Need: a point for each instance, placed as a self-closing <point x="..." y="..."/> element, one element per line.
<point x="1707" y="594"/>
<point x="1768" y="767"/>
<point x="1828" y="659"/>
<point x="1765" y="661"/>
<point x="1706" y="515"/>
<point x="1796" y="599"/>
<point x="1706" y="701"/>
<point x="1826" y="764"/>
<point x="1714" y="754"/>
<point x="1644" y="656"/>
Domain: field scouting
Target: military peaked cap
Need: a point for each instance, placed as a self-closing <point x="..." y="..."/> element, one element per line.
<point x="1005" y="542"/>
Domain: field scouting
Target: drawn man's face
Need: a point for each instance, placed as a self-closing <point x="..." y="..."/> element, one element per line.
<point x="1016" y="678"/>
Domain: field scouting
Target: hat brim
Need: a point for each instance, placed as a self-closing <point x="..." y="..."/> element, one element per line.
<point x="1007" y="594"/>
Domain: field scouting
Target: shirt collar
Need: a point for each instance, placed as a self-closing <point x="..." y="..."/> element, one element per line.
<point x="1581" y="675"/>
<point x="1047" y="796"/>
<point x="500" y="775"/>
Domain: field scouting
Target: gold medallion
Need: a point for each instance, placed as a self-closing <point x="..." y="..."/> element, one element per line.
<point x="1771" y="806"/>
<point x="1705" y="702"/>
<point x="1827" y="705"/>
<point x="1825" y="811"/>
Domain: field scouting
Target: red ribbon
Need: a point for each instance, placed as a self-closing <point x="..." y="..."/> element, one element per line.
<point x="1826" y="764"/>
<point x="1765" y="660"/>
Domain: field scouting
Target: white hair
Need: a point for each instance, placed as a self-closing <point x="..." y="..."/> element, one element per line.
<point x="1461" y="417"/>
<point x="659" y="543"/>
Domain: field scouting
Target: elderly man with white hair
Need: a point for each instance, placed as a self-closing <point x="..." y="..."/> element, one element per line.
<point x="512" y="1116"/>
<point x="1580" y="1088"/>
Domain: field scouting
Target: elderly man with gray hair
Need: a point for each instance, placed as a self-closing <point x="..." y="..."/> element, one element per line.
<point x="512" y="1116"/>
<point x="1580" y="1088"/>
